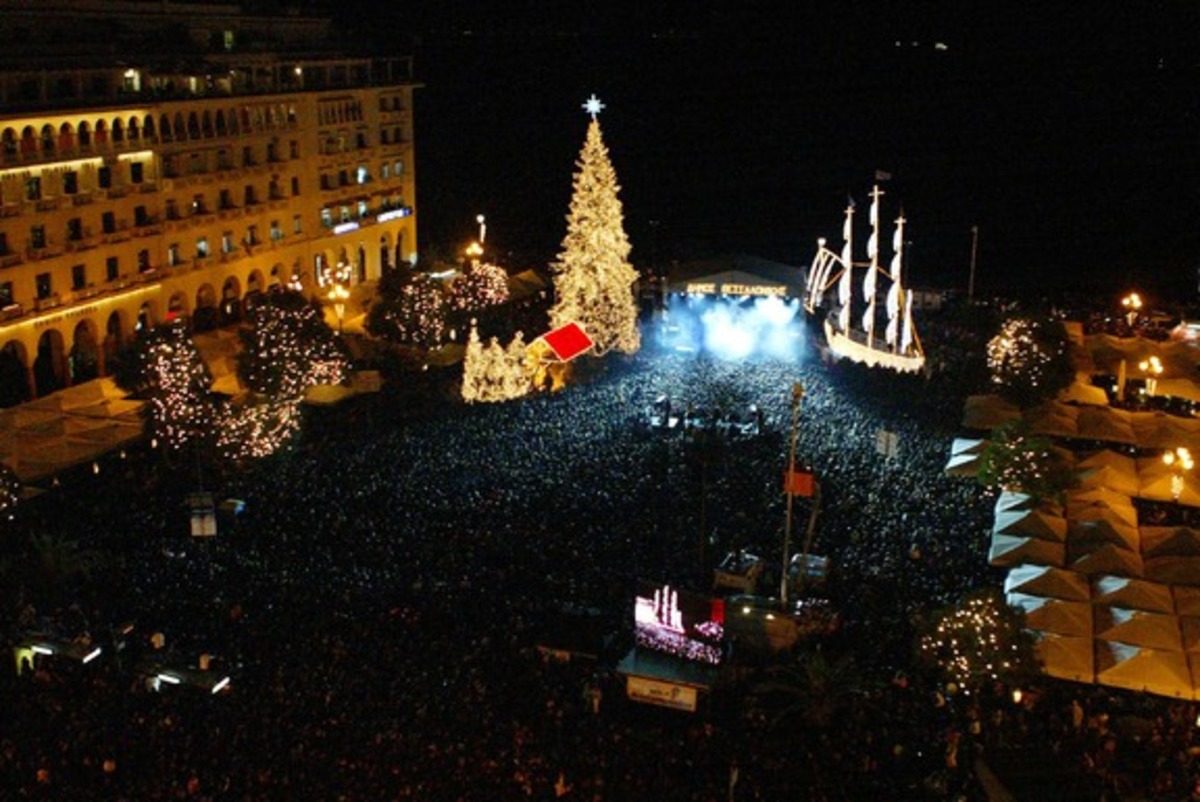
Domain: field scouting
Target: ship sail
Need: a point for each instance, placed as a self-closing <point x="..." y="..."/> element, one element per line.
<point x="845" y="285"/>
<point x="906" y="333"/>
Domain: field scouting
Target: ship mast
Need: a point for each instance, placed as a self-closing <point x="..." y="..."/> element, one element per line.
<point x="872" y="268"/>
<point x="896" y="294"/>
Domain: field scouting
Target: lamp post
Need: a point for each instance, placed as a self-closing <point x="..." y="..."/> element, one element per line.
<point x="482" y="227"/>
<point x="797" y="394"/>
<point x="1153" y="368"/>
<point x="1133" y="304"/>
<point x="1181" y="461"/>
<point x="474" y="252"/>
<point x="338" y="294"/>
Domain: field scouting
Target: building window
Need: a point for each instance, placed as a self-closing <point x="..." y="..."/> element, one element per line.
<point x="70" y="182"/>
<point x="6" y="296"/>
<point x="140" y="217"/>
<point x="294" y="149"/>
<point x="109" y="222"/>
<point x="227" y="242"/>
<point x="74" y="229"/>
<point x="296" y="225"/>
<point x="249" y="196"/>
<point x="33" y="189"/>
<point x="345" y="214"/>
<point x="172" y="209"/>
<point x="248" y="156"/>
<point x="173" y="254"/>
<point x="112" y="268"/>
<point x="143" y="258"/>
<point x="43" y="286"/>
<point x="3" y="243"/>
<point x="78" y="277"/>
<point x="362" y="209"/>
<point x="37" y="237"/>
<point x="137" y="172"/>
<point x="201" y="247"/>
<point x="226" y="201"/>
<point x="104" y="177"/>
<point x="385" y="172"/>
<point x="198" y="205"/>
<point x="295" y="186"/>
<point x="252" y="235"/>
<point x="398" y="169"/>
<point x="326" y="218"/>
<point x="361" y="175"/>
<point x="276" y="231"/>
<point x="195" y="164"/>
<point x="227" y="39"/>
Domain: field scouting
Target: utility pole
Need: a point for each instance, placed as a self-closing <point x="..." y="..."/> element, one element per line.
<point x="797" y="394"/>
<point x="974" y="255"/>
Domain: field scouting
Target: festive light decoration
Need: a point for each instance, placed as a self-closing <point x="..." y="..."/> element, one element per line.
<point x="1028" y="360"/>
<point x="494" y="372"/>
<point x="411" y="313"/>
<point x="287" y="348"/>
<point x="10" y="492"/>
<point x="1019" y="461"/>
<point x="980" y="640"/>
<point x="258" y="430"/>
<point x="593" y="277"/>
<point x="166" y="367"/>
<point x="479" y="286"/>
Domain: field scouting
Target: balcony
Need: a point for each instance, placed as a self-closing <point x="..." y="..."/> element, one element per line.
<point x="49" y="302"/>
<point x="11" y="312"/>
<point x="46" y="204"/>
<point x="10" y="210"/>
<point x="82" y="199"/>
<point x="114" y="193"/>
<point x="10" y="260"/>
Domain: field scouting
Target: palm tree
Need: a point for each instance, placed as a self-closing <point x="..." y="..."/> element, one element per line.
<point x="813" y="688"/>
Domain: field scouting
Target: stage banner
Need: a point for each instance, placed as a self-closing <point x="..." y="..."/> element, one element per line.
<point x="664" y="694"/>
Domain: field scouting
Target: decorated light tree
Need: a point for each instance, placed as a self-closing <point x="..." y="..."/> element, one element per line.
<point x="257" y="430"/>
<point x="1023" y="462"/>
<point x="10" y="492"/>
<point x="480" y="286"/>
<point x="494" y="372"/>
<point x="165" y="367"/>
<point x="288" y="348"/>
<point x="1029" y="360"/>
<point x="594" y="280"/>
<point x="412" y="313"/>
<point x="980" y="640"/>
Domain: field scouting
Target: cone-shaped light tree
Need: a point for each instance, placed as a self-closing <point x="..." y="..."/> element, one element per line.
<point x="594" y="280"/>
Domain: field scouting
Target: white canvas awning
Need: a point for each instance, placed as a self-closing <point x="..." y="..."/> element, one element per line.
<point x="1044" y="580"/>
<point x="1133" y="594"/>
<point x="1054" y="615"/>
<point x="1126" y="666"/>
<point x="1009" y="550"/>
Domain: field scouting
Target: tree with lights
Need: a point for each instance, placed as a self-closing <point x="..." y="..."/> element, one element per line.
<point x="411" y="310"/>
<point x="257" y="429"/>
<point x="10" y="492"/>
<point x="980" y="640"/>
<point x="480" y="286"/>
<point x="495" y="372"/>
<point x="1030" y="361"/>
<point x="164" y="366"/>
<point x="287" y="348"/>
<point x="1022" y="462"/>
<point x="594" y="280"/>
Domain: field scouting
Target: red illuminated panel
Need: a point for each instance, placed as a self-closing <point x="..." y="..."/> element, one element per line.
<point x="568" y="341"/>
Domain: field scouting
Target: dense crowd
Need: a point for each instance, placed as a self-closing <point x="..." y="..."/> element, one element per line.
<point x="379" y="603"/>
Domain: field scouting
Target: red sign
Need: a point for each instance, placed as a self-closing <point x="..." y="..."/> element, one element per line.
<point x="568" y="341"/>
<point x="798" y="482"/>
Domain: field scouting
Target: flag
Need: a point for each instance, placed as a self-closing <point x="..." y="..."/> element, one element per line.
<point x="797" y="482"/>
<point x="880" y="175"/>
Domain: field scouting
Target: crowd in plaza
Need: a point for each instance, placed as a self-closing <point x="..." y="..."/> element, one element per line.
<point x="379" y="602"/>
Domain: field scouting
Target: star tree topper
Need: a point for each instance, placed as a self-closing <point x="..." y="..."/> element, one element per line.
<point x="593" y="106"/>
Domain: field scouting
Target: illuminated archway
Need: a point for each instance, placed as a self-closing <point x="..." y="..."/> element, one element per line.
<point x="231" y="301"/>
<point x="205" y="316"/>
<point x="84" y="358"/>
<point x="50" y="371"/>
<point x="14" y="374"/>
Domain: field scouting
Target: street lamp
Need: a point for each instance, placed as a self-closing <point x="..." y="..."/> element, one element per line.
<point x="474" y="252"/>
<point x="1133" y="304"/>
<point x="338" y="294"/>
<point x="482" y="227"/>
<point x="1153" y="368"/>
<point x="1181" y="461"/>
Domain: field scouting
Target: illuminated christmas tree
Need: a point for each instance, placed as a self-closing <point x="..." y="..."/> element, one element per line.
<point x="1029" y="360"/>
<point x="10" y="492"/>
<point x="413" y="312"/>
<point x="288" y="348"/>
<point x="594" y="280"/>
<point x="165" y="367"/>
<point x="481" y="285"/>
<point x="494" y="372"/>
<point x="257" y="430"/>
<point x="980" y="640"/>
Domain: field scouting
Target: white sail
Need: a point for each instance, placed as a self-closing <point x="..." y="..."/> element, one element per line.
<point x="898" y="237"/>
<point x="868" y="319"/>
<point x="847" y="253"/>
<point x="872" y="247"/>
<point x="848" y="226"/>
<point x="893" y="300"/>
<point x="895" y="267"/>
<point x="845" y="287"/>
<point x="875" y="209"/>
<point x="868" y="286"/>
<point x="890" y="332"/>
<point x="906" y="334"/>
<point x="844" y="318"/>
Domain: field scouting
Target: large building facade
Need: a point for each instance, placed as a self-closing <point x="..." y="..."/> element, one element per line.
<point x="135" y="195"/>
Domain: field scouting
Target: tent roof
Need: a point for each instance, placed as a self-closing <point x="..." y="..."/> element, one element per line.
<point x="1008" y="550"/>
<point x="1066" y="657"/>
<point x="1137" y="628"/>
<point x="1187" y="600"/>
<point x="1105" y="423"/>
<point x="1141" y="669"/>
<point x="1033" y="523"/>
<point x="1103" y="529"/>
<point x="1044" y="580"/>
<point x="1109" y="559"/>
<point x="1173" y="570"/>
<point x="1133" y="594"/>
<point x="1054" y="615"/>
<point x="1170" y="541"/>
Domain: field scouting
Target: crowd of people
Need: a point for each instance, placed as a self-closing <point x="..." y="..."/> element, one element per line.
<point x="379" y="603"/>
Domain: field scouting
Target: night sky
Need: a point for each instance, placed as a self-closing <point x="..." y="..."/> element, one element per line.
<point x="1071" y="137"/>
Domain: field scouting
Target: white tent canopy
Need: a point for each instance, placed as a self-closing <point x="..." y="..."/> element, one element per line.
<point x="1044" y="580"/>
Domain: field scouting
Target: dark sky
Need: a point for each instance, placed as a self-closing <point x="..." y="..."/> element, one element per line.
<point x="1071" y="138"/>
